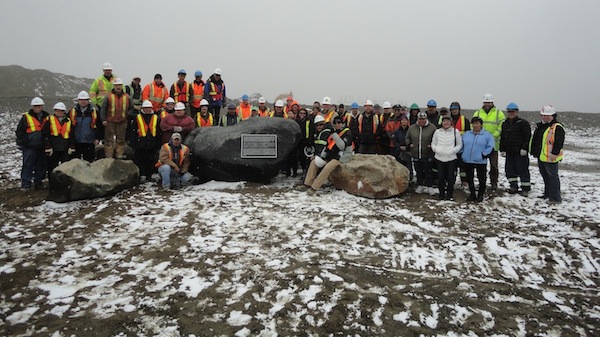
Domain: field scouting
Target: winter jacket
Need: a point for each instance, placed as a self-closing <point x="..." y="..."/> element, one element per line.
<point x="492" y="122"/>
<point x="477" y="147"/>
<point x="515" y="135"/>
<point x="58" y="142"/>
<point x="421" y="137"/>
<point x="538" y="143"/>
<point x="34" y="138"/>
<point x="339" y="146"/>
<point x="86" y="124"/>
<point x="101" y="87"/>
<point x="148" y="138"/>
<point x="446" y="144"/>
<point x="215" y="92"/>
<point x="174" y="156"/>
<point x="368" y="129"/>
<point x="168" y="123"/>
<point x="116" y="108"/>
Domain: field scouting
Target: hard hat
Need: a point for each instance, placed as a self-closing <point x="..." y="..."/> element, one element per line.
<point x="320" y="162"/>
<point x="548" y="110"/>
<point x="244" y="97"/>
<point x="117" y="81"/>
<point x="262" y="100"/>
<point x="170" y="100"/>
<point x="354" y="105"/>
<point x="60" y="106"/>
<point x="432" y="102"/>
<point x="414" y="106"/>
<point x="279" y="103"/>
<point x="387" y="105"/>
<point x="488" y="98"/>
<point x="147" y="104"/>
<point x="203" y="102"/>
<point x="218" y="71"/>
<point x="289" y="98"/>
<point x="181" y="71"/>
<point x="377" y="106"/>
<point x="179" y="106"/>
<point x="198" y="73"/>
<point x="512" y="106"/>
<point x="326" y="100"/>
<point x="319" y="119"/>
<point x="397" y="107"/>
<point x="107" y="66"/>
<point x="37" y="101"/>
<point x="368" y="102"/>
<point x="83" y="95"/>
<point x="422" y="115"/>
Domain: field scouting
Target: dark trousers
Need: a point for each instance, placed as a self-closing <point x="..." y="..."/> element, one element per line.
<point x="34" y="167"/>
<point x="517" y="167"/>
<point x="549" y="172"/>
<point x="494" y="172"/>
<point x="367" y="149"/>
<point x="403" y="158"/>
<point x="423" y="169"/>
<point x="291" y="166"/>
<point x="58" y="157"/>
<point x="446" y="176"/>
<point x="145" y="159"/>
<point x="215" y="110"/>
<point x="481" y="177"/>
<point x="461" y="170"/>
<point x="85" y="151"/>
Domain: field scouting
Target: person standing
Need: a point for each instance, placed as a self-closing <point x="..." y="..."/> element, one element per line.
<point x="231" y="117"/>
<point x="263" y="110"/>
<point x="197" y="92"/>
<point x="244" y="110"/>
<point x="87" y="127"/>
<point x="102" y="86"/>
<point x="492" y="122"/>
<point x="146" y="140"/>
<point x="135" y="92"/>
<point x="478" y="145"/>
<point x="58" y="138"/>
<point x="182" y="90"/>
<point x="432" y="113"/>
<point x="462" y="124"/>
<point x="413" y="112"/>
<point x="155" y="92"/>
<point x="368" y="130"/>
<point x="418" y="140"/>
<point x="30" y="141"/>
<point x="174" y="162"/>
<point x="278" y="110"/>
<point x="446" y="144"/>
<point x="547" y="146"/>
<point x="514" y="145"/>
<point x="215" y="94"/>
<point x="202" y="118"/>
<point x="115" y="114"/>
<point x="177" y="122"/>
<point x="402" y="151"/>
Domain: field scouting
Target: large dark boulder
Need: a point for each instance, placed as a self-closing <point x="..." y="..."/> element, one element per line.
<point x="216" y="151"/>
<point x="78" y="179"/>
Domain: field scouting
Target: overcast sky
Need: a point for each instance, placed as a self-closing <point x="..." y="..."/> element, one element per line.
<point x="532" y="52"/>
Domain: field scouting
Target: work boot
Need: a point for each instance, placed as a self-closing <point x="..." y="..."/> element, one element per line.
<point x="38" y="185"/>
<point x="472" y="197"/>
<point x="311" y="191"/>
<point x="513" y="190"/>
<point x="525" y="193"/>
<point x="302" y="187"/>
<point x="480" y="198"/>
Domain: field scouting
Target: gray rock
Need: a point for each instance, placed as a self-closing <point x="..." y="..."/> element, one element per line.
<point x="77" y="179"/>
<point x="371" y="176"/>
<point x="216" y="151"/>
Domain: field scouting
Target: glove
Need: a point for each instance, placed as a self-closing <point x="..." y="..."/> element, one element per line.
<point x="485" y="156"/>
<point x="70" y="151"/>
<point x="177" y="128"/>
<point x="503" y="154"/>
<point x="49" y="152"/>
<point x="523" y="153"/>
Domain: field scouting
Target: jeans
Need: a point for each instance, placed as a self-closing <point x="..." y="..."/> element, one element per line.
<point x="549" y="172"/>
<point x="170" y="178"/>
<point x="34" y="166"/>
<point x="446" y="177"/>
<point x="480" y="168"/>
<point x="516" y="167"/>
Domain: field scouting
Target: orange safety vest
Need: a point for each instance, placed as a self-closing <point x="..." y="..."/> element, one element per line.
<point x="272" y="114"/>
<point x="198" y="94"/>
<point x="461" y="125"/>
<point x="183" y="95"/>
<point x="328" y="116"/>
<point x="33" y="124"/>
<point x="244" y="111"/>
<point x="118" y="105"/>
<point x="157" y="95"/>
<point x="375" y="123"/>
<point x="264" y="113"/>
<point x="201" y="122"/>
<point x="143" y="127"/>
<point x="548" y="145"/>
<point x="182" y="153"/>
<point x="73" y="115"/>
<point x="215" y="93"/>
<point x="331" y="142"/>
<point x="57" y="129"/>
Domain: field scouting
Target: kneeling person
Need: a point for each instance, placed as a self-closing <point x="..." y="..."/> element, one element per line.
<point x="173" y="163"/>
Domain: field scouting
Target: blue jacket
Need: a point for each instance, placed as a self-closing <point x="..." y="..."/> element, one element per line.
<point x="477" y="147"/>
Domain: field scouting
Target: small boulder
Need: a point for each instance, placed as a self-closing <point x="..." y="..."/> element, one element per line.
<point x="216" y="151"/>
<point x="78" y="179"/>
<point x="371" y="176"/>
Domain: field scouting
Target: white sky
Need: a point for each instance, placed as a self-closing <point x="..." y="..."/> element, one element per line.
<point x="532" y="52"/>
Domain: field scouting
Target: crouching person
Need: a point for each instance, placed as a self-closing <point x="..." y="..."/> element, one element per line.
<point x="173" y="163"/>
<point x="338" y="150"/>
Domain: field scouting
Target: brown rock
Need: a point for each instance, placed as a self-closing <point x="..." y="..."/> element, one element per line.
<point x="371" y="176"/>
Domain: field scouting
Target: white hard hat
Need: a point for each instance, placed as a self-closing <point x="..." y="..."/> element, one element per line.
<point x="179" y="106"/>
<point x="279" y="103"/>
<point x="37" y="101"/>
<point x="60" y="106"/>
<point x="218" y="71"/>
<point x="262" y="100"/>
<point x="326" y="100"/>
<point x="548" y="110"/>
<point x="83" y="95"/>
<point x="117" y="81"/>
<point x="488" y="98"/>
<point x="387" y="105"/>
<point x="170" y="100"/>
<point x="107" y="66"/>
<point x="319" y="118"/>
<point x="320" y="162"/>
<point x="203" y="102"/>
<point x="147" y="104"/>
<point x="368" y="102"/>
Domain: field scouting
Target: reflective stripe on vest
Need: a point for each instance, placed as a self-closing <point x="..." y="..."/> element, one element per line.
<point x="375" y="123"/>
<point x="328" y="116"/>
<point x="244" y="111"/>
<point x="143" y="127"/>
<point x="33" y="124"/>
<point x="320" y="141"/>
<point x="198" y="94"/>
<point x="73" y="117"/>
<point x="182" y="152"/>
<point x="272" y="114"/>
<point x="331" y="141"/>
<point x="121" y="101"/>
<point x="201" y="122"/>
<point x="307" y="126"/>
<point x="264" y="113"/>
<point x="214" y="93"/>
<point x="548" y="145"/>
<point x="152" y="97"/>
<point x="461" y="125"/>
<point x="57" y="129"/>
<point x="185" y="92"/>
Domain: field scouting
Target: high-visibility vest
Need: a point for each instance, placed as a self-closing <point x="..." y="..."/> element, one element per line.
<point x="272" y="114"/>
<point x="143" y="128"/>
<point x="182" y="153"/>
<point x="103" y="87"/>
<point x="331" y="141"/>
<point x="224" y="119"/>
<point x="157" y="94"/>
<point x="460" y="125"/>
<point x="56" y="128"/>
<point x="318" y="140"/>
<point x="375" y="123"/>
<point x="33" y="124"/>
<point x="181" y="96"/>
<point x="244" y="111"/>
<point x="73" y="117"/>
<point x="198" y="93"/>
<point x="265" y="113"/>
<point x="215" y="93"/>
<point x="201" y="122"/>
<point x="548" y="144"/>
<point x="329" y="115"/>
<point x="118" y="105"/>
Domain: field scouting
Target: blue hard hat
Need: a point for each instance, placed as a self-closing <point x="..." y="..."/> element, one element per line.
<point x="198" y="73"/>
<point x="244" y="97"/>
<point x="512" y="106"/>
<point x="354" y="105"/>
<point x="431" y="103"/>
<point x="182" y="71"/>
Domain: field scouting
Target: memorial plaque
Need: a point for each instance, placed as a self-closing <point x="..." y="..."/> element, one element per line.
<point x="259" y="146"/>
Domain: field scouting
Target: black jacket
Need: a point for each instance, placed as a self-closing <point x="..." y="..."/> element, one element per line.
<point x="515" y="135"/>
<point x="536" y="140"/>
<point x="32" y="140"/>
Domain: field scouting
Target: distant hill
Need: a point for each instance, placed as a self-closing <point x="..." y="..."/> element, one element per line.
<point x="19" y="82"/>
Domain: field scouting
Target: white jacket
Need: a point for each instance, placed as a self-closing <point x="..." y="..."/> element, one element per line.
<point x="446" y="144"/>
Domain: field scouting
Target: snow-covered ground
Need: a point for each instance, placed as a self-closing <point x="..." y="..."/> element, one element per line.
<point x="238" y="259"/>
